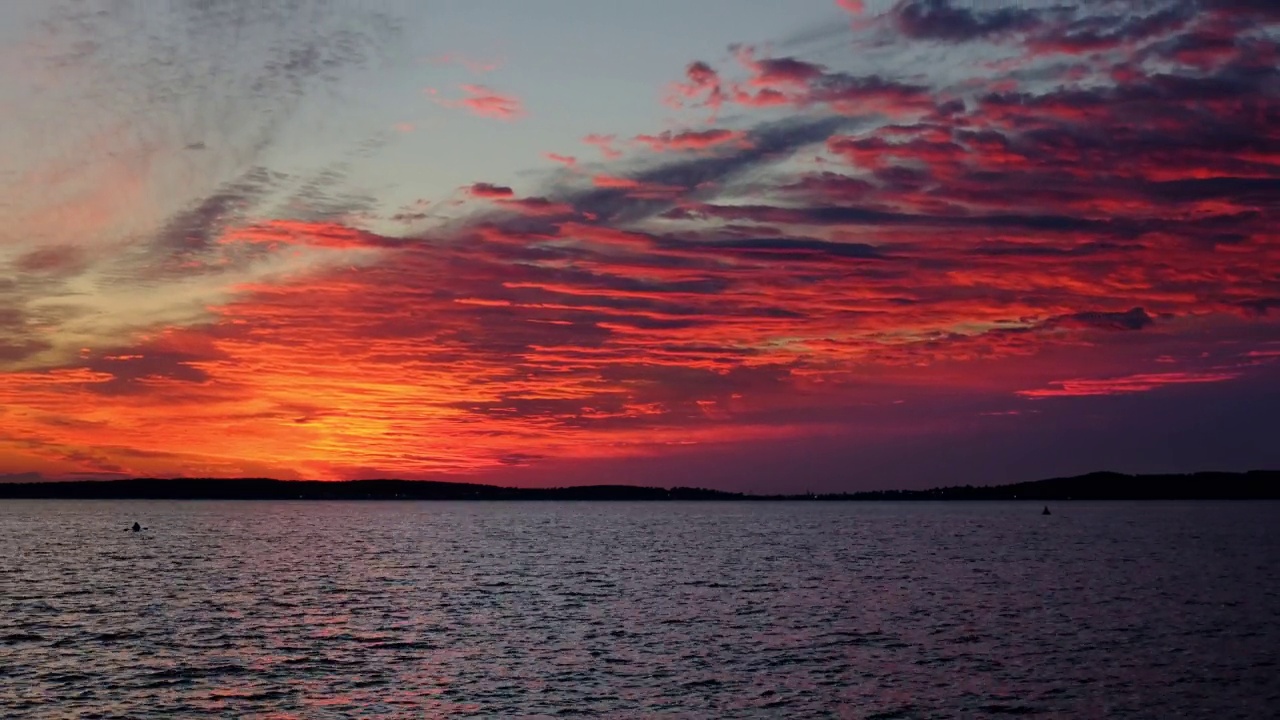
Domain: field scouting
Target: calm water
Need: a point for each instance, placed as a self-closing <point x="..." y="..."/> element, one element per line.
<point x="715" y="610"/>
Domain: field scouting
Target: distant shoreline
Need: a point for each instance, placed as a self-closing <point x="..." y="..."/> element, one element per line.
<point x="1252" y="485"/>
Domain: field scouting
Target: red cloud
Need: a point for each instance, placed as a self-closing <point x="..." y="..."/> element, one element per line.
<point x="281" y="233"/>
<point x="1124" y="385"/>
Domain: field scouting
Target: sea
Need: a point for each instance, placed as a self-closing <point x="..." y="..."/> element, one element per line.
<point x="309" y="609"/>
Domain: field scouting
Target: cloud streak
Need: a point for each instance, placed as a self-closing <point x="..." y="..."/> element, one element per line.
<point x="1145" y="382"/>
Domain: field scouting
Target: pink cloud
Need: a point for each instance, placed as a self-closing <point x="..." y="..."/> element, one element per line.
<point x="486" y="102"/>
<point x="605" y="144"/>
<point x="692" y="140"/>
<point x="568" y="160"/>
<point x="703" y="87"/>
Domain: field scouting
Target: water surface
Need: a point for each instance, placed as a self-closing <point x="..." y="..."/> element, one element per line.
<point x="859" y="610"/>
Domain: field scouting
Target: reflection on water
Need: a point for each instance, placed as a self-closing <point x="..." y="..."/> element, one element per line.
<point x="333" y="610"/>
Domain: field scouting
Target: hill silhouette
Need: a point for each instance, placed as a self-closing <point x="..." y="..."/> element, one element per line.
<point x="1255" y="484"/>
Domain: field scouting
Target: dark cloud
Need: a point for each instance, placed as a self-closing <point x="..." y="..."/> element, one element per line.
<point x="20" y="334"/>
<point x="1097" y="32"/>
<point x="16" y="350"/>
<point x="1262" y="192"/>
<point x="520" y="459"/>
<point x="841" y="89"/>
<point x="786" y="70"/>
<point x="197" y="228"/>
<point x="765" y="145"/>
<point x="56" y="260"/>
<point x="799" y="247"/>
<point x="1002" y="249"/>
<point x="941" y="20"/>
<point x="855" y="216"/>
<point x="830" y="184"/>
<point x="323" y="197"/>
<point x="489" y="190"/>
<point x="1131" y="319"/>
<point x="1245" y="9"/>
<point x="127" y="371"/>
<point x="1261" y="307"/>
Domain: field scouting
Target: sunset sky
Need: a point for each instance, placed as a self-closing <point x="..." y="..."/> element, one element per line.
<point x="747" y="244"/>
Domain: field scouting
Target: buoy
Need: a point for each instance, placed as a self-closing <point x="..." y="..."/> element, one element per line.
<point x="137" y="527"/>
<point x="1046" y="511"/>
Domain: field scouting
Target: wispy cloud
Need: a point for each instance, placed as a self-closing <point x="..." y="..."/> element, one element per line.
<point x="691" y="139"/>
<point x="484" y="101"/>
<point x="160" y="120"/>
<point x="1124" y="385"/>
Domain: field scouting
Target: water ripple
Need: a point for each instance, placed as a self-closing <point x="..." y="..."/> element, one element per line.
<point x="398" y="610"/>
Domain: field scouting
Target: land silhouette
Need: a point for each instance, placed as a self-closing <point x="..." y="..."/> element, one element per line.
<point x="1255" y="484"/>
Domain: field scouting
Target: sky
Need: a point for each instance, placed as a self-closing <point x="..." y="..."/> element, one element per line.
<point x="806" y="246"/>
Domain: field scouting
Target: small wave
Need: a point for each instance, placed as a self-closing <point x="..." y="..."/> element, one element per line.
<point x="895" y="714"/>
<point x="402" y="645"/>
<point x="252" y="696"/>
<point x="999" y="709"/>
<point x="118" y="636"/>
<point x="192" y="673"/>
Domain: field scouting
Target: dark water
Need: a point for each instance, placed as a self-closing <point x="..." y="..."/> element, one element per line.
<point x="714" y="610"/>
